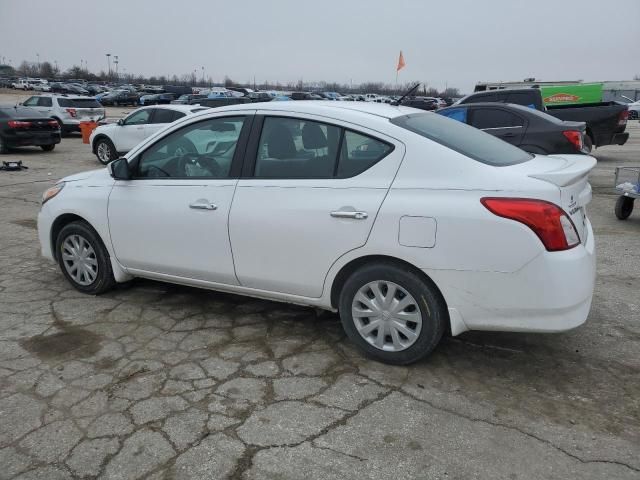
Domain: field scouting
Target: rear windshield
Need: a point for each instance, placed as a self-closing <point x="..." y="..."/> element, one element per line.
<point x="79" y="103"/>
<point x="462" y="138"/>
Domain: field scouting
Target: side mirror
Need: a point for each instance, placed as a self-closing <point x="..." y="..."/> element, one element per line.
<point x="119" y="169"/>
<point x="121" y="122"/>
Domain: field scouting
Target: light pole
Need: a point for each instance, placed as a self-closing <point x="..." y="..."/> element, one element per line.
<point x="115" y="61"/>
<point x="108" y="55"/>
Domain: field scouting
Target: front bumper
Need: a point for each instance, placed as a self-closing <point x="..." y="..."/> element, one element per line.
<point x="552" y="293"/>
<point x="45" y="222"/>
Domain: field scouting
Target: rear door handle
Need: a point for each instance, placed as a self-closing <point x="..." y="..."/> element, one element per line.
<point x="203" y="205"/>
<point x="347" y="214"/>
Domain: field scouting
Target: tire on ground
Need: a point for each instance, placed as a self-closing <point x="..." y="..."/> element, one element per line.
<point x="104" y="279"/>
<point x="432" y="307"/>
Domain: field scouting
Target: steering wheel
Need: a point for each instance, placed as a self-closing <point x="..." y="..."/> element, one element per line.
<point x="207" y="163"/>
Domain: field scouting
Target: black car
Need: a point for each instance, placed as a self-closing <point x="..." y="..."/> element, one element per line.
<point x="423" y="103"/>
<point x="524" y="127"/>
<point x="606" y="121"/>
<point x="22" y="127"/>
<point x="120" y="97"/>
<point x="257" y="97"/>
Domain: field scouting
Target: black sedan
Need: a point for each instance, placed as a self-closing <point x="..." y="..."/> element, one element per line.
<point x="22" y="127"/>
<point x="529" y="129"/>
<point x="120" y="97"/>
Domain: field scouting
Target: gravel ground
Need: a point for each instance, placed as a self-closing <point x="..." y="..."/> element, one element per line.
<point x="166" y="382"/>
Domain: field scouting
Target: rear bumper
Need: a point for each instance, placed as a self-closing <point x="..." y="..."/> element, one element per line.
<point x="26" y="139"/>
<point x="552" y="293"/>
<point x="620" y="138"/>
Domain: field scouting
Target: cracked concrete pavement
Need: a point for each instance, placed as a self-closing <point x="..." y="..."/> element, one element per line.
<point x="166" y="382"/>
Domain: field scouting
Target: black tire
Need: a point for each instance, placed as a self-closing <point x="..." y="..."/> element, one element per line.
<point x="3" y="146"/>
<point x="104" y="279"/>
<point x="633" y="115"/>
<point x="624" y="207"/>
<point x="105" y="144"/>
<point x="48" y="148"/>
<point x="588" y="143"/>
<point x="433" y="311"/>
<point x="63" y="130"/>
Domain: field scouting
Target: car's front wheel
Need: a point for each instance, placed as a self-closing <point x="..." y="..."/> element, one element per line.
<point x="105" y="151"/>
<point x="47" y="148"/>
<point x="83" y="259"/>
<point x="392" y="314"/>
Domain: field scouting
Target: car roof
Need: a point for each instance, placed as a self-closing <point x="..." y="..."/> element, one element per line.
<point x="326" y="108"/>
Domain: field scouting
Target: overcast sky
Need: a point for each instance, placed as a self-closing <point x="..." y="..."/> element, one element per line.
<point x="454" y="42"/>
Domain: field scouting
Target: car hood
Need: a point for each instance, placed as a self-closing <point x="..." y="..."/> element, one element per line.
<point x="91" y="177"/>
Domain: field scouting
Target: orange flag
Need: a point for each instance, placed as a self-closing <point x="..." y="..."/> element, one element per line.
<point x="400" y="62"/>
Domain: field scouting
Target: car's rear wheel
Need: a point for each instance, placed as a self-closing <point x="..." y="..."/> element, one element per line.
<point x="105" y="151"/>
<point x="392" y="314"/>
<point x="624" y="207"/>
<point x="47" y="148"/>
<point x="84" y="259"/>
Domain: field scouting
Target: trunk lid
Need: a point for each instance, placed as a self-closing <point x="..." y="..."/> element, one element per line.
<point x="570" y="174"/>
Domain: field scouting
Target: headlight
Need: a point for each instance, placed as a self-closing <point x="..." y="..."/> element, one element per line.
<point x="52" y="192"/>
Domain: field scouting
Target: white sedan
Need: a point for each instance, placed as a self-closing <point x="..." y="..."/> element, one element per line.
<point x="110" y="141"/>
<point x="407" y="223"/>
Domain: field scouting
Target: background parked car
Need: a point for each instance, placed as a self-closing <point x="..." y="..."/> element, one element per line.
<point x="606" y="121"/>
<point x="423" y="103"/>
<point x="68" y="111"/>
<point x="114" y="139"/>
<point x="20" y="127"/>
<point x="529" y="129"/>
<point x="185" y="99"/>
<point x="120" y="97"/>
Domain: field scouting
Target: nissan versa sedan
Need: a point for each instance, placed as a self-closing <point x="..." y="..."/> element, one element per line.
<point x="409" y="224"/>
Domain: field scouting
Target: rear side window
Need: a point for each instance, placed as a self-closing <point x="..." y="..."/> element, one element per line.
<point x="462" y="138"/>
<point x="360" y="152"/>
<point x="296" y="148"/>
<point x="494" y="118"/>
<point x="300" y="148"/>
<point x="163" y="115"/>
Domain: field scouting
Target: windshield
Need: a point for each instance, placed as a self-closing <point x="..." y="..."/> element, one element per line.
<point x="462" y="138"/>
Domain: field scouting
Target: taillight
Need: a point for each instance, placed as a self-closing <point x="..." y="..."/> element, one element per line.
<point x="18" y="124"/>
<point x="622" y="118"/>
<point x="53" y="123"/>
<point x="574" y="137"/>
<point x="72" y="112"/>
<point x="548" y="221"/>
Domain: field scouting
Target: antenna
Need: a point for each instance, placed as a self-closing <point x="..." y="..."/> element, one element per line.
<point x="411" y="90"/>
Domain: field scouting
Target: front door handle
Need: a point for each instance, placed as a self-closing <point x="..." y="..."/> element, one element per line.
<point x="347" y="214"/>
<point x="203" y="205"/>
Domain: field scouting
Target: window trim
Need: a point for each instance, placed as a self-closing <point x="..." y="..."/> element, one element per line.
<point x="251" y="157"/>
<point x="236" y="161"/>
